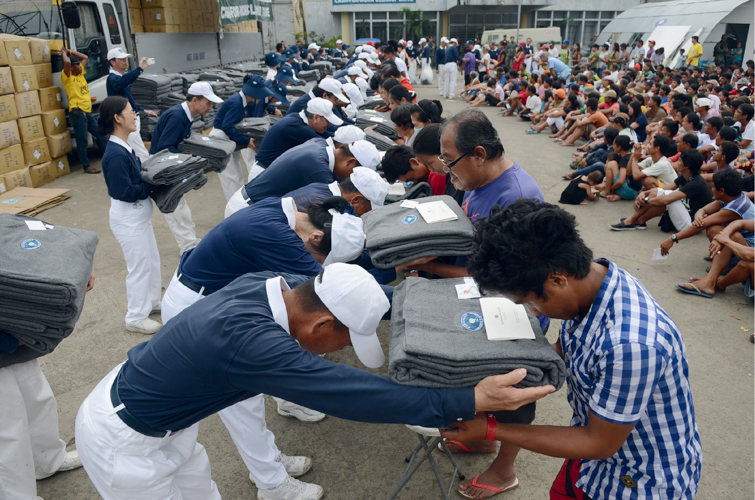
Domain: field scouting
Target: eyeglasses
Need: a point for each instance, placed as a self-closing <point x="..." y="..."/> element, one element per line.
<point x="449" y="166"/>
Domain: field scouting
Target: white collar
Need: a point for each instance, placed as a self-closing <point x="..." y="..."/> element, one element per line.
<point x="311" y="94"/>
<point x="334" y="189"/>
<point x="303" y="116"/>
<point x="120" y="142"/>
<point x="243" y="97"/>
<point x="114" y="72"/>
<point x="331" y="158"/>
<point x="187" y="111"/>
<point x="287" y="204"/>
<point x="275" y="288"/>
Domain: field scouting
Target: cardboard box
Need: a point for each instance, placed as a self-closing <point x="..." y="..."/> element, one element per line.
<point x="18" y="50"/>
<point x="134" y="4"/>
<point x="54" y="121"/>
<point x="24" y="78"/>
<point x="31" y="128"/>
<point x="28" y="104"/>
<point x="9" y="134"/>
<point x="8" y="109"/>
<point x="137" y="28"/>
<point x="42" y="174"/>
<point x="18" y="178"/>
<point x="60" y="166"/>
<point x="36" y="152"/>
<point x="160" y="17"/>
<point x="3" y="189"/>
<point x="208" y="19"/>
<point x="170" y="28"/>
<point x="184" y="17"/>
<point x="6" y="81"/>
<point x="44" y="74"/>
<point x="196" y="18"/>
<point x="135" y="15"/>
<point x="147" y="4"/>
<point x="11" y="159"/>
<point x="49" y="99"/>
<point x="3" y="55"/>
<point x="41" y="50"/>
<point x="59" y="144"/>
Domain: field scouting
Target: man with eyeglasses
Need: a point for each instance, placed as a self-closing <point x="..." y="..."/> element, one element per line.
<point x="476" y="164"/>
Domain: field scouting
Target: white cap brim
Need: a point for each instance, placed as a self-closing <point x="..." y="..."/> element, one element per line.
<point x="333" y="119"/>
<point x="214" y="98"/>
<point x="368" y="349"/>
<point x="341" y="97"/>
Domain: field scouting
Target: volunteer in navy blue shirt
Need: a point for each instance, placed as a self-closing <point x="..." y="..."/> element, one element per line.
<point x="440" y="63"/>
<point x="313" y="161"/>
<point x="117" y="84"/>
<point x="295" y="128"/>
<point x="451" y="68"/>
<point x="257" y="336"/>
<point x="245" y="103"/>
<point x="273" y="60"/>
<point x="173" y="127"/>
<point x="328" y="88"/>
<point x="130" y="212"/>
<point x="340" y="51"/>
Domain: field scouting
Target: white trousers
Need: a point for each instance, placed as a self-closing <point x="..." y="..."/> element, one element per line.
<point x="676" y="211"/>
<point x="441" y="79"/>
<point x="124" y="464"/>
<point x="452" y="72"/>
<point x="136" y="143"/>
<point x="29" y="443"/>
<point x="182" y="226"/>
<point x="236" y="203"/>
<point x="232" y="178"/>
<point x="245" y="420"/>
<point x="131" y="226"/>
<point x="558" y="121"/>
<point x="254" y="171"/>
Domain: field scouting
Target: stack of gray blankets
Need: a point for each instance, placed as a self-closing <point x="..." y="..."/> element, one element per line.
<point x="167" y="197"/>
<point x="217" y="151"/>
<point x="148" y="124"/>
<point x="255" y="128"/>
<point x="167" y="168"/>
<point x="384" y="126"/>
<point x="311" y="75"/>
<point x="397" y="235"/>
<point x="325" y="67"/>
<point x="419" y="190"/>
<point x="171" y="100"/>
<point x="430" y="347"/>
<point x="43" y="279"/>
<point x="295" y="91"/>
<point x="372" y="102"/>
<point x="150" y="90"/>
<point x="381" y="142"/>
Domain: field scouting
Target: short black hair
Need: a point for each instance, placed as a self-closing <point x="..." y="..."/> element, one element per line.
<point x="691" y="139"/>
<point x="592" y="103"/>
<point x="388" y="84"/>
<point x="729" y="180"/>
<point x="427" y="141"/>
<point x="391" y="72"/>
<point x="402" y="115"/>
<point x="610" y="134"/>
<point x="664" y="143"/>
<point x="399" y="92"/>
<point x="695" y="120"/>
<point x="716" y="122"/>
<point x="395" y="163"/>
<point x="322" y="219"/>
<point x="516" y="249"/>
<point x="623" y="141"/>
<point x="671" y="126"/>
<point x="728" y="133"/>
<point x="747" y="110"/>
<point x="478" y="131"/>
<point x="693" y="160"/>
<point x="730" y="150"/>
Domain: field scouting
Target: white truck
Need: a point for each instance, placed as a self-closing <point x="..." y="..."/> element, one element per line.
<point x="538" y="35"/>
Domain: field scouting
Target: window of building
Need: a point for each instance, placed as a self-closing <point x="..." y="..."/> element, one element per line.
<point x="387" y="25"/>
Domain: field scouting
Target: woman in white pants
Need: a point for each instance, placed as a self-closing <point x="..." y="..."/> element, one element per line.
<point x="130" y="212"/>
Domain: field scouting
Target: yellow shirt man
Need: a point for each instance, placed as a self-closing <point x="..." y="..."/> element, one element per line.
<point x="77" y="89"/>
<point x="695" y="52"/>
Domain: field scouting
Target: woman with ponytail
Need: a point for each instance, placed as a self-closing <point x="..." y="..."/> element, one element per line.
<point x="130" y="212"/>
<point x="426" y="112"/>
<point x="399" y="95"/>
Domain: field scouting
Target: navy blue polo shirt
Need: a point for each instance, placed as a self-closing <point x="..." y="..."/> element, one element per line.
<point x="227" y="348"/>
<point x="294" y="169"/>
<point x="173" y="127"/>
<point x="317" y="192"/>
<point x="286" y="133"/>
<point x="440" y="57"/>
<point x="119" y="85"/>
<point x="452" y="54"/>
<point x="233" y="110"/>
<point x="123" y="173"/>
<point x="299" y="104"/>
<point x="257" y="238"/>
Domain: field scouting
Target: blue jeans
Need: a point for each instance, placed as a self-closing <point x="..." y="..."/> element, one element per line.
<point x="82" y="123"/>
<point x="590" y="168"/>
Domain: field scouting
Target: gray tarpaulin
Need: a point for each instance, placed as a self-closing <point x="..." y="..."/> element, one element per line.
<point x="431" y="347"/>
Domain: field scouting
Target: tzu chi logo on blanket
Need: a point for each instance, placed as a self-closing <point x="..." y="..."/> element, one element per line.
<point x="30" y="244"/>
<point x="409" y="219"/>
<point x="472" y="321"/>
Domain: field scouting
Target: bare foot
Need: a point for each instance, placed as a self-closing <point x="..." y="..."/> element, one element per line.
<point x="613" y="197"/>
<point x="566" y="143"/>
<point x="584" y="202"/>
<point x="553" y="136"/>
<point x="705" y="286"/>
<point x="488" y="478"/>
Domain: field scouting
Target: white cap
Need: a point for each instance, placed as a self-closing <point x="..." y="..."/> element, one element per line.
<point x="362" y="84"/>
<point x="364" y="55"/>
<point x="359" y="49"/>
<point x="339" y="41"/>
<point x="357" y="301"/>
<point x="116" y="54"/>
<point x="444" y="39"/>
<point x="205" y="90"/>
<point x="454" y="40"/>
<point x="356" y="70"/>
<point x="366" y="154"/>
<point x="313" y="45"/>
<point x="360" y="64"/>
<point x="422" y="40"/>
<point x="346" y="237"/>
<point x="354" y="94"/>
<point x="409" y="43"/>
<point x="371" y="185"/>
<point x="332" y="86"/>
<point x="375" y="58"/>
<point x="348" y="134"/>
<point x="402" y="42"/>
<point x="370" y="49"/>
<point x="324" y="108"/>
<point x="704" y="101"/>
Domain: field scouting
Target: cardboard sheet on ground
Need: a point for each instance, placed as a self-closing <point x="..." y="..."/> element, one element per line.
<point x="31" y="201"/>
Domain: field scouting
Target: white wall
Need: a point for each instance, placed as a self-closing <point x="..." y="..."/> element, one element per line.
<point x="617" y="5"/>
<point x="320" y="18"/>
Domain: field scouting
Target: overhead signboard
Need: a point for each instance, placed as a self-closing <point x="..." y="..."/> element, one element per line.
<point x="239" y="11"/>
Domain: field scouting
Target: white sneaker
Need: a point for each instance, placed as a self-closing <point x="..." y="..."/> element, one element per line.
<point x="289" y="409"/>
<point x="146" y="326"/>
<point x="295" y="466"/>
<point x="157" y="309"/>
<point x="292" y="489"/>
<point x="70" y="462"/>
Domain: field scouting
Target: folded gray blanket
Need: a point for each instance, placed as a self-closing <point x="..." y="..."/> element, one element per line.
<point x="373" y="102"/>
<point x="165" y="167"/>
<point x="256" y="128"/>
<point x="167" y="197"/>
<point x="381" y="142"/>
<point x="217" y="151"/>
<point x="311" y="75"/>
<point x="43" y="279"/>
<point x="431" y="347"/>
<point x="396" y="235"/>
<point x="384" y="127"/>
<point x="419" y="190"/>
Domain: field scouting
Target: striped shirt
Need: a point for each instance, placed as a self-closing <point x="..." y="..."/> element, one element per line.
<point x="744" y="207"/>
<point x="627" y="363"/>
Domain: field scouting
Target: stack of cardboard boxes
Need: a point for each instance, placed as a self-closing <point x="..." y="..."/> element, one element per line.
<point x="180" y="16"/>
<point x="33" y="136"/>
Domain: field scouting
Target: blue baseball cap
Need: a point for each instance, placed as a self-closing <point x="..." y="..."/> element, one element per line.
<point x="286" y="74"/>
<point x="470" y="42"/>
<point x="255" y="87"/>
<point x="565" y="41"/>
<point x="273" y="59"/>
<point x="277" y="90"/>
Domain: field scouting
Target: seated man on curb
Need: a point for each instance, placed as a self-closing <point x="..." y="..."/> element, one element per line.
<point x="619" y="184"/>
<point x="583" y="127"/>
<point x="728" y="204"/>
<point x="656" y="167"/>
<point x="680" y="199"/>
<point x="633" y="432"/>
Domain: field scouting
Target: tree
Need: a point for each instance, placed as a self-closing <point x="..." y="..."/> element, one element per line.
<point x="416" y="24"/>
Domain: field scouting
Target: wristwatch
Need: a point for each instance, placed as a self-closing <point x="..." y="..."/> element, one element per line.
<point x="673" y="238"/>
<point x="646" y="198"/>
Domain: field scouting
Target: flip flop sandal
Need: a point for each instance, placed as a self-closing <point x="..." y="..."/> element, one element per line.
<point x="464" y="448"/>
<point x="694" y="291"/>
<point x="496" y="491"/>
<point x="709" y="259"/>
<point x="92" y="171"/>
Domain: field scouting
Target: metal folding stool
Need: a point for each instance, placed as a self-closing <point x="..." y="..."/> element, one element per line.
<point x="428" y="441"/>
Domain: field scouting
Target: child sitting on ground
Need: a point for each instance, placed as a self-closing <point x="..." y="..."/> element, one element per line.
<point x="580" y="189"/>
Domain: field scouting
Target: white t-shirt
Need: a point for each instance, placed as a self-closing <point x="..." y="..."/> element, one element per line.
<point x="662" y="170"/>
<point x="400" y="64"/>
<point x="749" y="133"/>
<point x="534" y="103"/>
<point x="485" y="63"/>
